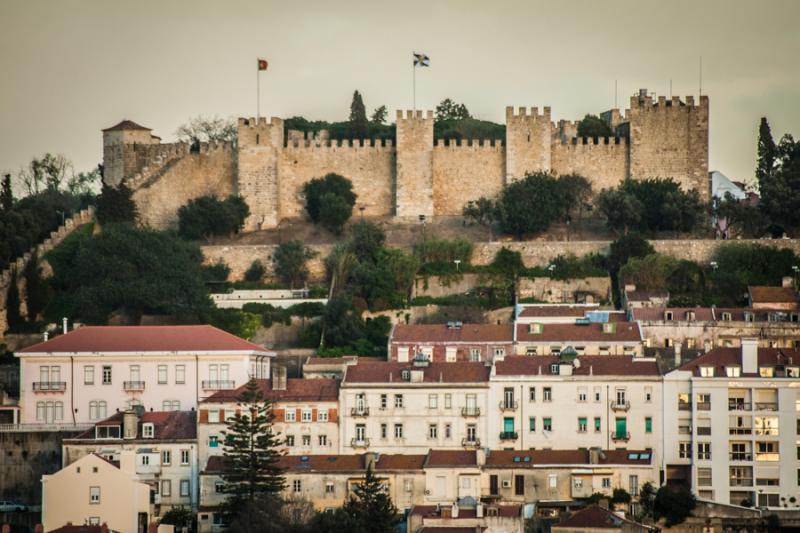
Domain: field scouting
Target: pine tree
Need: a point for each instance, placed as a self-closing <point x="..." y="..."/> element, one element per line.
<point x="371" y="506"/>
<point x="379" y="115"/>
<point x="13" y="317"/>
<point x="115" y="204"/>
<point x="767" y="153"/>
<point x="358" y="117"/>
<point x="6" y="194"/>
<point x="251" y="454"/>
<point x="35" y="289"/>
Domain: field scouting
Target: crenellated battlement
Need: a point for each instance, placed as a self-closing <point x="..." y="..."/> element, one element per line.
<point x="328" y="144"/>
<point x="662" y="103"/>
<point x="530" y="113"/>
<point x="260" y="122"/>
<point x="409" y="114"/>
<point x="594" y="141"/>
<point x="470" y="144"/>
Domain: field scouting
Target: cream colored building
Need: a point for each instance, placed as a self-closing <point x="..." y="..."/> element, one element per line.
<point x="491" y="518"/>
<point x="93" y="490"/>
<point x="393" y="407"/>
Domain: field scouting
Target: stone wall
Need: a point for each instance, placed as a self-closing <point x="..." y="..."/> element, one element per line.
<point x="592" y="290"/>
<point x="465" y="171"/>
<point x="414" y="185"/>
<point x="528" y="139"/>
<point x="257" y="170"/>
<point x="239" y="258"/>
<point x="605" y="160"/>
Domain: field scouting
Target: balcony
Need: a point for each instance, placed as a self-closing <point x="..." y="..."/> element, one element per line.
<point x="470" y="411"/>
<point x="740" y="431"/>
<point x="766" y="406"/>
<point x="620" y="437"/>
<point x="741" y="482"/>
<point x="620" y="406"/>
<point x="471" y="442"/>
<point x="359" y="443"/>
<point x="133" y="385"/>
<point x="508" y="435"/>
<point x="684" y="406"/>
<point x="741" y="456"/>
<point x="739" y="406"/>
<point x="703" y="406"/>
<point x="49" y="386"/>
<point x="360" y="411"/>
<point x="509" y="405"/>
<point x="224" y="384"/>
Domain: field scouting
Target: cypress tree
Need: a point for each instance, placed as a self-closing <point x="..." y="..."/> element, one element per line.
<point x="767" y="153"/>
<point x="371" y="506"/>
<point x="35" y="289"/>
<point x="13" y="317"/>
<point x="6" y="194"/>
<point x="115" y="204"/>
<point x="358" y="117"/>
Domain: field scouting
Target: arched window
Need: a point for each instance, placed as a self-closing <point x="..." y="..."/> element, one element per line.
<point x="133" y="403"/>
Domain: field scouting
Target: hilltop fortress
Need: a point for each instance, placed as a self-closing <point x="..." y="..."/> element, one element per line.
<point x="414" y="176"/>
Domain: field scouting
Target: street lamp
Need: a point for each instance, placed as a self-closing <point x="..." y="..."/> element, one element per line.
<point x="550" y="268"/>
<point x="457" y="262"/>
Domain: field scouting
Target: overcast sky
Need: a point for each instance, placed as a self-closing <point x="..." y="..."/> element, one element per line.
<point x="69" y="68"/>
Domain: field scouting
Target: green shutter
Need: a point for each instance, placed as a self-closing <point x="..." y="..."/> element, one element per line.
<point x="648" y="425"/>
<point x="508" y="425"/>
<point x="622" y="427"/>
<point x="532" y="423"/>
<point x="581" y="423"/>
<point x="597" y="423"/>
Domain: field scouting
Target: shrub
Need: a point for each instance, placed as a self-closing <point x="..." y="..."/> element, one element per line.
<point x="291" y="260"/>
<point x="207" y="216"/>
<point x="255" y="272"/>
<point x="321" y="205"/>
<point x="115" y="204"/>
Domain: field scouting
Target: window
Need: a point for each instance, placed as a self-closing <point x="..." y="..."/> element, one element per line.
<point x="704" y="450"/>
<point x="582" y="424"/>
<point x="450" y="354"/>
<point x="597" y="392"/>
<point x="621" y="396"/>
<point x="648" y="424"/>
<point x="398" y="401"/>
<point x="532" y="424"/>
<point x="323" y="440"/>
<point x="330" y="488"/>
<point x="384" y="431"/>
<point x="184" y="457"/>
<point x="552" y="481"/>
<point x="306" y="440"/>
<point x="97" y="409"/>
<point x="508" y="398"/>
<point x="289" y="440"/>
<point x="532" y="394"/>
<point x="184" y="487"/>
<point x="162" y="374"/>
<point x="648" y="394"/>
<point x="433" y="401"/>
<point x="448" y="431"/>
<point x="322" y="415"/>
<point x="547" y="394"/>
<point x="166" y="487"/>
<point x="94" y="495"/>
<point x="297" y="486"/>
<point x="475" y="354"/>
<point x="88" y="375"/>
<point x="107" y="375"/>
<point x="305" y="415"/>
<point x="290" y="415"/>
<point x="554" y="369"/>
<point x="547" y="424"/>
<point x="398" y="431"/>
<point x="519" y="485"/>
<point x="107" y="432"/>
<point x="606" y="482"/>
<point x="402" y="354"/>
<point x="703" y="402"/>
<point x="633" y="485"/>
<point x="148" y="431"/>
<point x="448" y="401"/>
<point x="383" y="401"/>
<point x="213" y="416"/>
<point x="180" y="374"/>
<point x="433" y="431"/>
<point x="766" y="371"/>
<point x="704" y="477"/>
<point x="166" y="457"/>
<point x="472" y="433"/>
<point x="581" y="394"/>
<point x="499" y="352"/>
<point x="171" y="405"/>
<point x="685" y="450"/>
<point x="597" y="424"/>
<point x="145" y="460"/>
<point x="408" y="484"/>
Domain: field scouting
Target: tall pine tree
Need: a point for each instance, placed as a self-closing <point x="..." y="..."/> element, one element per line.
<point x="358" y="117"/>
<point x="6" y="195"/>
<point x="251" y="470"/>
<point x="767" y="152"/>
<point x="371" y="506"/>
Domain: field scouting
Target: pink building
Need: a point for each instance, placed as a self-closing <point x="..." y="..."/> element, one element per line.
<point x="92" y="372"/>
<point x="450" y="342"/>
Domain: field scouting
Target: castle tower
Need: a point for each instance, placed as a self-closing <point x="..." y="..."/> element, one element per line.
<point x="119" y="150"/>
<point x="669" y="139"/>
<point x="257" y="160"/>
<point x="414" y="182"/>
<point x="527" y="142"/>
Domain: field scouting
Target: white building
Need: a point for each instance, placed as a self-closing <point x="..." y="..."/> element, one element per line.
<point x="408" y="408"/>
<point x="567" y="402"/>
<point x="92" y="372"/>
<point x="731" y="423"/>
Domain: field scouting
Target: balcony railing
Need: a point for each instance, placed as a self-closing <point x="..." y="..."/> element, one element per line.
<point x="740" y="431"/>
<point x="471" y="443"/>
<point x="766" y="406"/>
<point x="359" y="443"/>
<point x="620" y="406"/>
<point x="360" y="411"/>
<point x="703" y="406"/>
<point x="768" y="431"/>
<point x="508" y="435"/>
<point x="741" y="482"/>
<point x="224" y="384"/>
<point x="618" y="436"/>
<point x="739" y="406"/>
<point x="49" y="386"/>
<point x="741" y="456"/>
<point x="506" y="405"/>
<point x="684" y="406"/>
<point x="133" y="385"/>
<point x="470" y="411"/>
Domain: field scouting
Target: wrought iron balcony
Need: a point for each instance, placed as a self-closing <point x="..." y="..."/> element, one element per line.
<point x="360" y="411"/>
<point x="49" y="386"/>
<point x="509" y="405"/>
<point x="470" y="411"/>
<point x="615" y="436"/>
<point x="359" y="443"/>
<point x="471" y="443"/>
<point x="620" y="406"/>
<point x="133" y="385"/>
<point x="224" y="384"/>
<point x="508" y="435"/>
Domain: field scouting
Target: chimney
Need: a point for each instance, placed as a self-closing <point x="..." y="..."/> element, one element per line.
<point x="370" y="458"/>
<point x="749" y="355"/>
<point x="65" y="324"/>
<point x="787" y="281"/>
<point x="678" y="349"/>
<point x="594" y="456"/>
<point x="446" y="512"/>
<point x="46" y="336"/>
<point x="454" y="511"/>
<point x="480" y="456"/>
<point x="130" y="421"/>
<point x="279" y="377"/>
<point x="104" y="528"/>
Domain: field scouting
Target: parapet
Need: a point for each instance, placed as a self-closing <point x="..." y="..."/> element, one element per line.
<point x="414" y="115"/>
<point x="325" y="144"/>
<point x="661" y="103"/>
<point x="532" y="112"/>
<point x="260" y="122"/>
<point x="473" y="144"/>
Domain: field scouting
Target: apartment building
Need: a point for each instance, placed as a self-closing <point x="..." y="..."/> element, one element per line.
<point x="306" y="415"/>
<point x="163" y="446"/>
<point x="451" y="342"/>
<point x="393" y="407"/>
<point x="568" y="402"/>
<point x="89" y="373"/>
<point x="453" y="518"/>
<point x="732" y="425"/>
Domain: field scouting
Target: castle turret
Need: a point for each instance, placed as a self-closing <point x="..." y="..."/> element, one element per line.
<point x="259" y="144"/>
<point x="414" y="187"/>
<point x="528" y="137"/>
<point x="120" y="159"/>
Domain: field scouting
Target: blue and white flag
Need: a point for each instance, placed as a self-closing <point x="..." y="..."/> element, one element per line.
<point x="421" y="60"/>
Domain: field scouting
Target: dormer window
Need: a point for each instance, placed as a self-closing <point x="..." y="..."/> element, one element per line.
<point x="733" y="371"/>
<point x="609" y="327"/>
<point x="554" y="369"/>
<point x="148" y="431"/>
<point x="535" y="329"/>
<point x="707" y="371"/>
<point x="792" y="372"/>
<point x="667" y="315"/>
<point x="107" y="432"/>
<point x="748" y="317"/>
<point x="690" y="315"/>
<point x="726" y="317"/>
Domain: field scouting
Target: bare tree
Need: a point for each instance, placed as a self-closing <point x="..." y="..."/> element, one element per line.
<point x="50" y="172"/>
<point x="207" y="129"/>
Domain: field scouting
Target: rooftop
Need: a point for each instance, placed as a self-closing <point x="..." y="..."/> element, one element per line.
<point x="391" y="372"/>
<point x="443" y="333"/>
<point x="334" y="463"/>
<point x="622" y="331"/>
<point x="433" y="511"/>
<point x="126" y="125"/>
<point x="451" y="458"/>
<point x="719" y="358"/>
<point x="556" y="310"/>
<point x="588" y="365"/>
<point x="597" y="517"/>
<point x="167" y="425"/>
<point x="768" y="294"/>
<point x="69" y="528"/>
<point x="531" y="458"/>
<point x="138" y="339"/>
<point x="297" y="390"/>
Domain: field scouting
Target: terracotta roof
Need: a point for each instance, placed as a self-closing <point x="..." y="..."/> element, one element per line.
<point x="418" y="333"/>
<point x="449" y="529"/>
<point x="719" y="358"/>
<point x="767" y="294"/>
<point x="596" y="365"/>
<point x="109" y="339"/>
<point x="624" y="331"/>
<point x="391" y="372"/>
<point x="69" y="528"/>
<point x="400" y="461"/>
<point x="167" y="425"/>
<point x="450" y="458"/>
<point x="126" y="125"/>
<point x="433" y="511"/>
<point x="214" y="465"/>
<point x="334" y="463"/>
<point x="557" y="310"/>
<point x="595" y="516"/>
<point x="678" y="313"/>
<point x="297" y="390"/>
<point x="531" y="458"/>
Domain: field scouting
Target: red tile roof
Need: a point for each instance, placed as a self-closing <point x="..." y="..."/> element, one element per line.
<point x="595" y="516"/>
<point x="531" y="458"/>
<point x="438" y="333"/>
<point x="557" y="310"/>
<point x="159" y="339"/>
<point x="400" y="462"/>
<point x="719" y="358"/>
<point x="767" y="294"/>
<point x="434" y="511"/>
<point x="297" y="390"/>
<point x="167" y="425"/>
<point x="334" y="463"/>
<point x="678" y="313"/>
<point x="596" y="365"/>
<point x="69" y="528"/>
<point x="451" y="458"/>
<point x="214" y="465"/>
<point x="126" y="125"/>
<point x="391" y="372"/>
<point x="593" y="332"/>
<point x="449" y="529"/>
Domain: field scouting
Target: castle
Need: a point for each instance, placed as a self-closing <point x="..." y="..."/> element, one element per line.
<point x="414" y="176"/>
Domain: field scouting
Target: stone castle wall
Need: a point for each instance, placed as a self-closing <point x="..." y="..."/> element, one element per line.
<point x="464" y="171"/>
<point x="606" y="160"/>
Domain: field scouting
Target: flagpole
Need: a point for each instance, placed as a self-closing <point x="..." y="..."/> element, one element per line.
<point x="258" y="90"/>
<point x="414" y="83"/>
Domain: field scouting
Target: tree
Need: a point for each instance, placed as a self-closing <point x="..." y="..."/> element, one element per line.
<point x="251" y="455"/>
<point x="622" y="211"/>
<point x="337" y="520"/>
<point x="358" y="117"/>
<point x="291" y="260"/>
<point x="530" y="205"/>
<point x="366" y="241"/>
<point x="35" y="289"/>
<point x="179" y="517"/>
<point x="49" y="172"/>
<point x="255" y="272"/>
<point x="450" y="110"/>
<point x="626" y="247"/>
<point x="379" y="115"/>
<point x="594" y="126"/>
<point x="674" y="504"/>
<point x="780" y="193"/>
<point x="767" y="154"/>
<point x="6" y="195"/>
<point x="647" y="499"/>
<point x="115" y="204"/>
<point x="740" y="265"/>
<point x="318" y="193"/>
<point x="206" y="216"/>
<point x="620" y="496"/>
<point x="13" y="317"/>
<point x="575" y="191"/>
<point x="733" y="217"/>
<point x="482" y="211"/>
<point x="371" y="506"/>
<point x="207" y="129"/>
<point x="650" y="273"/>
